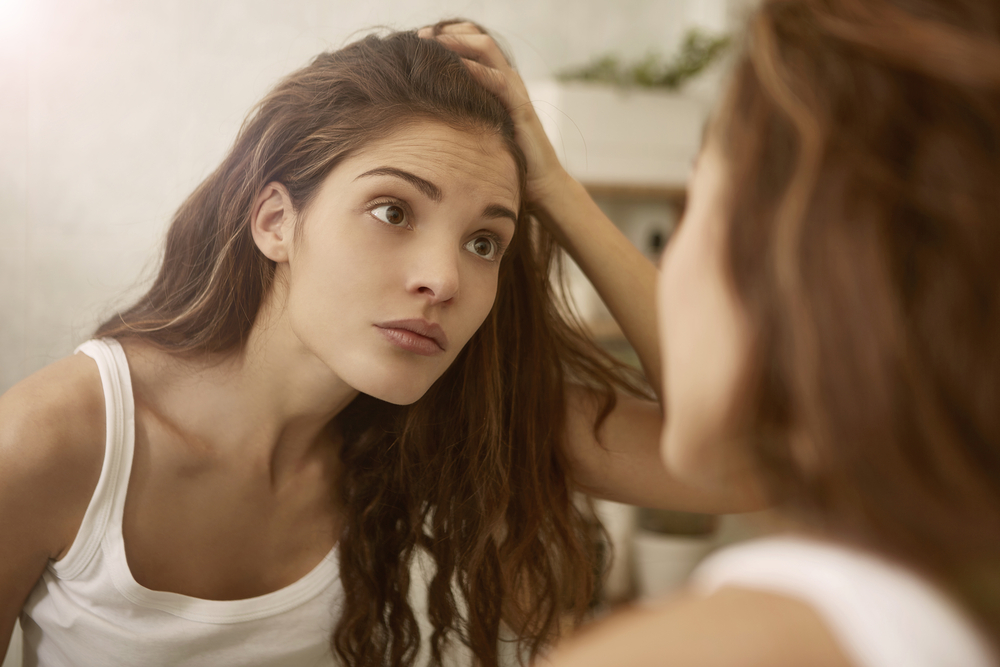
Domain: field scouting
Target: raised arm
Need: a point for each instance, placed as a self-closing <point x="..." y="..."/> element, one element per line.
<point x="51" y="452"/>
<point x="622" y="461"/>
<point x="624" y="278"/>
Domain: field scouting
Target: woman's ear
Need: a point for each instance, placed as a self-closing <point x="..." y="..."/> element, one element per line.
<point x="272" y="221"/>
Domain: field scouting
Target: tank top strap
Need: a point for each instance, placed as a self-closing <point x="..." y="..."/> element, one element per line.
<point x="108" y="502"/>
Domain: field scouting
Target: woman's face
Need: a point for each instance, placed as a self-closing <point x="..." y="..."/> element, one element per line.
<point x="396" y="263"/>
<point x="702" y="332"/>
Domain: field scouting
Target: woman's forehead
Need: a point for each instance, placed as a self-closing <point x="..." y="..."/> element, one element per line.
<point x="450" y="159"/>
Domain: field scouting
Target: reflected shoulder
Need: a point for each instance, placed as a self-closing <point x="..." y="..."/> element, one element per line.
<point x="730" y="628"/>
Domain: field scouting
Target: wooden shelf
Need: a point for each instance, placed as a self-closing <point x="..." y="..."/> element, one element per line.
<point x="673" y="193"/>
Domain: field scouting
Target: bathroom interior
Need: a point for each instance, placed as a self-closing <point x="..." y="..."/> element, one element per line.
<point x="111" y="112"/>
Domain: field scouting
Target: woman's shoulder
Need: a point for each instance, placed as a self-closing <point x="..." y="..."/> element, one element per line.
<point x="61" y="403"/>
<point x="52" y="427"/>
<point x="732" y="627"/>
<point x="881" y="609"/>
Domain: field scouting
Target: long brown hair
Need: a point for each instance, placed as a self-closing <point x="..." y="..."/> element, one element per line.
<point x="473" y="473"/>
<point x="863" y="141"/>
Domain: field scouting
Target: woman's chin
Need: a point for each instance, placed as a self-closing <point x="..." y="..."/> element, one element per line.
<point x="394" y="392"/>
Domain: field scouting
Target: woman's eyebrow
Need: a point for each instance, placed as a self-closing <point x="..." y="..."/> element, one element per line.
<point x="425" y="186"/>
<point x="494" y="211"/>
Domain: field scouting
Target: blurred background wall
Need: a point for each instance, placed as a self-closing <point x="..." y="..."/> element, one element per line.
<point x="112" y="111"/>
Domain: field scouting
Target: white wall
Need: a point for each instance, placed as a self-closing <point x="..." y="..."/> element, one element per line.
<point x="111" y="111"/>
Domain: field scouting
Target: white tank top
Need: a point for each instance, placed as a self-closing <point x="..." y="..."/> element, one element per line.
<point x="882" y="615"/>
<point x="88" y="611"/>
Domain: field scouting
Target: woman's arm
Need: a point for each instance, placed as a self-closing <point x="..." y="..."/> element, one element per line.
<point x="622" y="462"/>
<point x="51" y="453"/>
<point x="623" y="277"/>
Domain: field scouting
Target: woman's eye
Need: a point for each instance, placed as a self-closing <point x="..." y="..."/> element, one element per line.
<point x="390" y="214"/>
<point x="483" y="246"/>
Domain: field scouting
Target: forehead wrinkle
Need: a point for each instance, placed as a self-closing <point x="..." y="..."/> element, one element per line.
<point x="425" y="186"/>
<point x="445" y="153"/>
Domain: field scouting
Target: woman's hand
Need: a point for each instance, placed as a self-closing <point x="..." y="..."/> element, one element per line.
<point x="487" y="63"/>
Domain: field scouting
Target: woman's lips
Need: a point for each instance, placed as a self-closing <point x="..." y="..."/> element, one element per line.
<point x="417" y="336"/>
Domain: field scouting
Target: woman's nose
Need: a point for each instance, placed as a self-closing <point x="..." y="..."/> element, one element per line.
<point x="435" y="273"/>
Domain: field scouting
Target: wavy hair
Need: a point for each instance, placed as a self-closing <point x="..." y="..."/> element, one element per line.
<point x="863" y="141"/>
<point x="473" y="474"/>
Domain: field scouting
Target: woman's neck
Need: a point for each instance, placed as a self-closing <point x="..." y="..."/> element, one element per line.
<point x="272" y="401"/>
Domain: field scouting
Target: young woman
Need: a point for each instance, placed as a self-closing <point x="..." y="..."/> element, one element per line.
<point x="352" y="355"/>
<point x="830" y="314"/>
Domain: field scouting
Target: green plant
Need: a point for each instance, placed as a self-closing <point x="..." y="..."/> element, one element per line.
<point x="697" y="52"/>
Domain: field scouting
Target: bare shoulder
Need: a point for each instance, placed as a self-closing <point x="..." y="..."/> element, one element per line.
<point x="52" y="427"/>
<point x="734" y="627"/>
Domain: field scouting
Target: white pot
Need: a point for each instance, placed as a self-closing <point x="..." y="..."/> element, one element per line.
<point x="608" y="135"/>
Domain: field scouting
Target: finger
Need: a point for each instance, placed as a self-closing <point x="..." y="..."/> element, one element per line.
<point x="478" y="47"/>
<point x="461" y="47"/>
<point x="460" y="28"/>
<point x="510" y="93"/>
<point x="490" y="79"/>
<point x="444" y="27"/>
